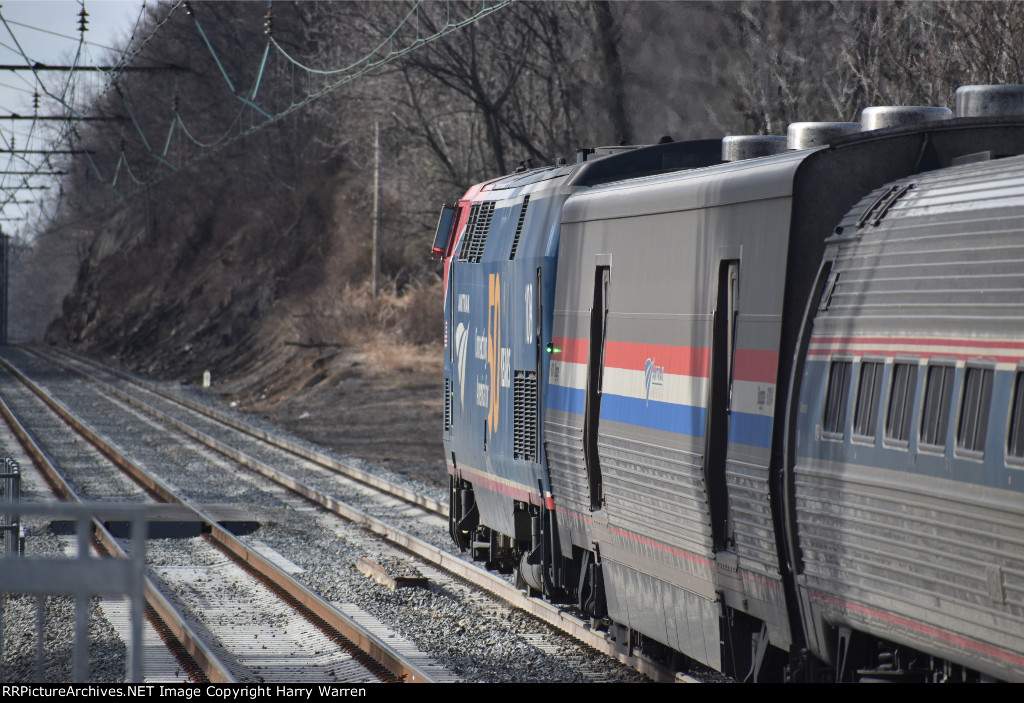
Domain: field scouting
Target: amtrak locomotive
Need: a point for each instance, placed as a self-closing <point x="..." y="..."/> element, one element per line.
<point x="756" y="402"/>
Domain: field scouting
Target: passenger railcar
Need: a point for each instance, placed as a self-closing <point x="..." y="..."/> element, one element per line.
<point x="909" y="458"/>
<point x="772" y="406"/>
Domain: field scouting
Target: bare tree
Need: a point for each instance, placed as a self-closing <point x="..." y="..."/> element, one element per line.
<point x="280" y="218"/>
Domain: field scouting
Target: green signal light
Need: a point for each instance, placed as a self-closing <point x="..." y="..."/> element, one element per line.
<point x="552" y="349"/>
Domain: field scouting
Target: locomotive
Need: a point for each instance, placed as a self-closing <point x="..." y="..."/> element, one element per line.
<point x="756" y="402"/>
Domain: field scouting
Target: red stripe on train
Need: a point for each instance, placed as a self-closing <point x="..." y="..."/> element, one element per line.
<point x="516" y="491"/>
<point x="679" y="361"/>
<point x="922" y="353"/>
<point x="751" y="364"/>
<point x="756" y="365"/>
<point x="922" y="342"/>
<point x="572" y="350"/>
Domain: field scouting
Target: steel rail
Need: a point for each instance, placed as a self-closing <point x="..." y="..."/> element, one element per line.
<point x="481" y="578"/>
<point x="347" y="470"/>
<point x="303" y="600"/>
<point x="189" y="644"/>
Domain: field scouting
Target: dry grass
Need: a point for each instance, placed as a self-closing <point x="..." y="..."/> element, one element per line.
<point x="354" y="318"/>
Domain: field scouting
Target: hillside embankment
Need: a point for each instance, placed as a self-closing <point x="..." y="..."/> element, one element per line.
<point x="258" y="297"/>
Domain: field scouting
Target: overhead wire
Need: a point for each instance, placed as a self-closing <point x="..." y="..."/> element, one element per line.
<point x="40" y="85"/>
<point x="383" y="53"/>
<point x="65" y="132"/>
<point x="368" y="62"/>
<point x="58" y="34"/>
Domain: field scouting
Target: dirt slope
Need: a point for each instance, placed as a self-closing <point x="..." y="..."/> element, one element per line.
<point x="382" y="405"/>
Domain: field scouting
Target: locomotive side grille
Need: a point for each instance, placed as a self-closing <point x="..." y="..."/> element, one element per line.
<point x="479" y="235"/>
<point x="474" y="213"/>
<point x="519" y="228"/>
<point x="524" y="423"/>
<point x="447" y="405"/>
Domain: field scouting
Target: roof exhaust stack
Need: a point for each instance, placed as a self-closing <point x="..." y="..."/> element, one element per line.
<point x="989" y="101"/>
<point x="743" y="147"/>
<point x="882" y="117"/>
<point x="808" y="135"/>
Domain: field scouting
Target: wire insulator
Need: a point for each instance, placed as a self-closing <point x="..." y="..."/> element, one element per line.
<point x="82" y="20"/>
<point x="268" y="22"/>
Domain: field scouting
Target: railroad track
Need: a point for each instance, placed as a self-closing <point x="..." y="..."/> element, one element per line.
<point x="224" y="580"/>
<point x="321" y="479"/>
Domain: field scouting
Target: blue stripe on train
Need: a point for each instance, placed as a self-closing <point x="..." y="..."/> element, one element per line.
<point x="744" y="428"/>
<point x="655" y="415"/>
<point x="570" y="400"/>
<point x="750" y="429"/>
<point x="669" y="417"/>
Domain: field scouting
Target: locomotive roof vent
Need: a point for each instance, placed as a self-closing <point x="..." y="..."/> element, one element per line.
<point x="900" y="116"/>
<point x="807" y="135"/>
<point x="751" y="146"/>
<point x="989" y="100"/>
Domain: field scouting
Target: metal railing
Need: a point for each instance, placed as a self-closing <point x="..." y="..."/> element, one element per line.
<point x="12" y="535"/>
<point x="82" y="576"/>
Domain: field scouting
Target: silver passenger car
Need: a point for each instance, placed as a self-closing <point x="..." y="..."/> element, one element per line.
<point x="681" y="450"/>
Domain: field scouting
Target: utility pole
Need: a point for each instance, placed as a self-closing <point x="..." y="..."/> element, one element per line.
<point x="376" y="209"/>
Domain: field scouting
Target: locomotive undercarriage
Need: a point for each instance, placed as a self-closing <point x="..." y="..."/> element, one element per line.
<point x="498" y="552"/>
<point x="532" y="553"/>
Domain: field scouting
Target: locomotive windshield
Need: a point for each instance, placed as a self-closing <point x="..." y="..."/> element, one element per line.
<point x="444" y="230"/>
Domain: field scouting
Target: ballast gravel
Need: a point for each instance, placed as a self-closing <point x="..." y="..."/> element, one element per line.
<point x="471" y="635"/>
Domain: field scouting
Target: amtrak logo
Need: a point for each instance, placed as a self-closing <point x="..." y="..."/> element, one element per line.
<point x="653" y="376"/>
<point x="461" y="341"/>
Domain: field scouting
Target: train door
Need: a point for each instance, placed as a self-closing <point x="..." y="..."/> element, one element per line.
<point x="723" y="356"/>
<point x="595" y="373"/>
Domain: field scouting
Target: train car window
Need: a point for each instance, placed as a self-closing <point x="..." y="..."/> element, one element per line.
<point x="865" y="416"/>
<point x="974" y="404"/>
<point x="830" y="289"/>
<point x="835" y="399"/>
<point x="901" y="401"/>
<point x="444" y="231"/>
<point x="1015" y="441"/>
<point x="938" y="391"/>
